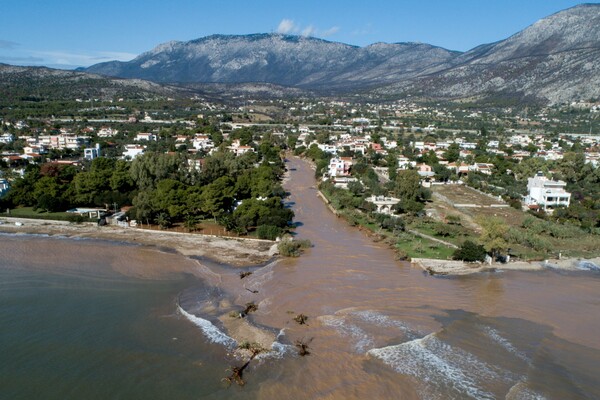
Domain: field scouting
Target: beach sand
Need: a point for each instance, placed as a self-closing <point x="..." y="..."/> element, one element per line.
<point x="452" y="267"/>
<point x="232" y="251"/>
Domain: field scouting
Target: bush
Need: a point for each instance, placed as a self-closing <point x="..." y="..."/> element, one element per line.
<point x="292" y="248"/>
<point x="470" y="252"/>
<point x="393" y="224"/>
<point x="445" y="230"/>
<point x="269" y="232"/>
<point x="453" y="220"/>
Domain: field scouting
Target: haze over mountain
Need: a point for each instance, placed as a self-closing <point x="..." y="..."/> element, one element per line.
<point x="554" y="60"/>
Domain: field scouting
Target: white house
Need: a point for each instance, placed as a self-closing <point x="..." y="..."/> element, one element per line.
<point x="149" y="137"/>
<point x="106" y="132"/>
<point x="546" y="194"/>
<point x="4" y="186"/>
<point x="202" y="142"/>
<point x="132" y="151"/>
<point x="6" y="138"/>
<point x="405" y="163"/>
<point x="92" y="152"/>
<point x="340" y="166"/>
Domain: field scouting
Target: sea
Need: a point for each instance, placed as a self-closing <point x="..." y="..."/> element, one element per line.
<point x="93" y="319"/>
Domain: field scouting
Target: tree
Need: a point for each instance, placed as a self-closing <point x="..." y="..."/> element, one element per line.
<point x="571" y="166"/>
<point x="408" y="185"/>
<point x="453" y="153"/>
<point x="493" y="233"/>
<point x="217" y="197"/>
<point x="470" y="252"/>
<point x="356" y="188"/>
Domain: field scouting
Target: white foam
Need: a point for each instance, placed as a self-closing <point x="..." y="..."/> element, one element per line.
<point x="363" y="341"/>
<point x="520" y="391"/>
<point x="505" y="343"/>
<point x="434" y="362"/>
<point x="212" y="333"/>
<point x="379" y="319"/>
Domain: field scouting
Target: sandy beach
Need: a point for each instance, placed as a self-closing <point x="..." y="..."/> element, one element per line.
<point x="232" y="251"/>
<point x="452" y="267"/>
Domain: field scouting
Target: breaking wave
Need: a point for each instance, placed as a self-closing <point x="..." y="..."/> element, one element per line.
<point x="442" y="368"/>
<point x="212" y="333"/>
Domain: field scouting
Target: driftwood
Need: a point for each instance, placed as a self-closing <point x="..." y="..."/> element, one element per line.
<point x="245" y="274"/>
<point x="250" y="307"/>
<point x="238" y="372"/>
<point x="301" y="319"/>
<point x="251" y="291"/>
<point x="302" y="347"/>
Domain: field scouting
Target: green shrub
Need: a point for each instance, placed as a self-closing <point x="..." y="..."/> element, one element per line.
<point x="470" y="252"/>
<point x="292" y="248"/>
<point x="268" y="232"/>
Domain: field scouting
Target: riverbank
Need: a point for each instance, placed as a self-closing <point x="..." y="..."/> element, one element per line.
<point x="233" y="251"/>
<point x="455" y="268"/>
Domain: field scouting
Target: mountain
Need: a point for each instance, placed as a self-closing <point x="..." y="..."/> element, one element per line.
<point x="553" y="60"/>
<point x="557" y="59"/>
<point x="303" y="62"/>
<point x="41" y="83"/>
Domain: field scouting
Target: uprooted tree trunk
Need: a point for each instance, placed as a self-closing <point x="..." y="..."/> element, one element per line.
<point x="301" y="319"/>
<point x="245" y="274"/>
<point x="237" y="372"/>
<point x="302" y="347"/>
<point x="250" y="307"/>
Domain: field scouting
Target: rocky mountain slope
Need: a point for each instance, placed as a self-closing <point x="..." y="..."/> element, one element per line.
<point x="281" y="59"/>
<point x="556" y="59"/>
<point x="53" y="84"/>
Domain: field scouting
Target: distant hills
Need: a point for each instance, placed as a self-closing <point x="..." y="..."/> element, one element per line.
<point x="555" y="60"/>
<point x="40" y="83"/>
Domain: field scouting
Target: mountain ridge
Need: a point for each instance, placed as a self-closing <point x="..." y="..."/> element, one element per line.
<point x="553" y="60"/>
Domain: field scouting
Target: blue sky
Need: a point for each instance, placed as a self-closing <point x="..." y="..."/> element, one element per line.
<point x="72" y="33"/>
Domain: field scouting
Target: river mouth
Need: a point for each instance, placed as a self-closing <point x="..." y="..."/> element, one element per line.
<point x="378" y="328"/>
<point x="158" y="324"/>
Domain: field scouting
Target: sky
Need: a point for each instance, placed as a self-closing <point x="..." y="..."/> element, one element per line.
<point x="73" y="33"/>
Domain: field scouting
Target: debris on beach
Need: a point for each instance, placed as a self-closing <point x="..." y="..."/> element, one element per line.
<point x="301" y="319"/>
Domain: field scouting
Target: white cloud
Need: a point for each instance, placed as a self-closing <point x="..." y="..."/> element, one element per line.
<point x="289" y="27"/>
<point x="286" y="26"/>
<point x="308" y="31"/>
<point x="331" y="31"/>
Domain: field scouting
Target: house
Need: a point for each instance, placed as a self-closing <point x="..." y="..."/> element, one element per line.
<point x="132" y="151"/>
<point x="107" y="132"/>
<point x="405" y="163"/>
<point x="4" y="186"/>
<point x="238" y="149"/>
<point x="202" y="142"/>
<point x="484" y="168"/>
<point x="546" y="194"/>
<point x="340" y="166"/>
<point x="145" y="136"/>
<point x="6" y="138"/>
<point x="343" y="181"/>
<point x="425" y="171"/>
<point x="92" y="152"/>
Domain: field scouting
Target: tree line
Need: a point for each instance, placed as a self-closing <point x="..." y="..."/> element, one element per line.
<point x="243" y="193"/>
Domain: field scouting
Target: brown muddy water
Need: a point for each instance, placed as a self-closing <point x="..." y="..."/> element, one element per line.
<point x="377" y="328"/>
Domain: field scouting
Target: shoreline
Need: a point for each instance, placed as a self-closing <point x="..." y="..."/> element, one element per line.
<point x="233" y="251"/>
<point x="458" y="268"/>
